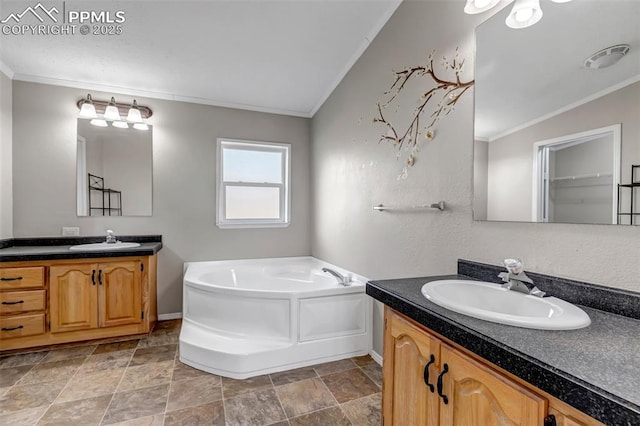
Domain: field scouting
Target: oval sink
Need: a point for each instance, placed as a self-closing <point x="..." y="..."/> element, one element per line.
<point x="491" y="302"/>
<point x="103" y="246"/>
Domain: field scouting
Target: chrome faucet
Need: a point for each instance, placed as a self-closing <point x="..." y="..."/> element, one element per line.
<point x="515" y="279"/>
<point x="345" y="281"/>
<point x="111" y="239"/>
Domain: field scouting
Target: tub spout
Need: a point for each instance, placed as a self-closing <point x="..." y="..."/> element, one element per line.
<point x="346" y="281"/>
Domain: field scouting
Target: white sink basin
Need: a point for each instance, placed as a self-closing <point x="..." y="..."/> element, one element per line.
<point x="491" y="302"/>
<point x="103" y="246"/>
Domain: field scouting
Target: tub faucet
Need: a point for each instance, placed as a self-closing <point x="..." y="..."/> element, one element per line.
<point x="111" y="239"/>
<point x="515" y="279"/>
<point x="345" y="281"/>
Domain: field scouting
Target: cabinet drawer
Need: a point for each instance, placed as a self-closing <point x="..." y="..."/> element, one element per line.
<point x="19" y="278"/>
<point x="14" y="302"/>
<point x="20" y="326"/>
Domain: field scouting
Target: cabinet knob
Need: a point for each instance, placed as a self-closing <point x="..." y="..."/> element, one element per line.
<point x="445" y="369"/>
<point x="432" y="359"/>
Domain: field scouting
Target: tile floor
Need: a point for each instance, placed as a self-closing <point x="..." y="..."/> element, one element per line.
<point x="142" y="382"/>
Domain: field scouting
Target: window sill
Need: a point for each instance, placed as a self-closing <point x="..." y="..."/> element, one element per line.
<point x="252" y="225"/>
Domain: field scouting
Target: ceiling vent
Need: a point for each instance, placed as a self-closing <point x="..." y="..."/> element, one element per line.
<point x="607" y="57"/>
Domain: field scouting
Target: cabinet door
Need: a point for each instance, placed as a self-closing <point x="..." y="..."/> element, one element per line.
<point x="478" y="395"/>
<point x="120" y="290"/>
<point x="407" y="399"/>
<point x="74" y="297"/>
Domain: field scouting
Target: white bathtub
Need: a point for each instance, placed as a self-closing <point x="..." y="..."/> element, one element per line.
<point x="244" y="318"/>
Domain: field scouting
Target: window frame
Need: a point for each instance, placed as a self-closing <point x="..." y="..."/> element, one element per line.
<point x="285" y="187"/>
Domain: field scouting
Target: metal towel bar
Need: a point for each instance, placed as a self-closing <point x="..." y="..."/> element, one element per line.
<point x="439" y="206"/>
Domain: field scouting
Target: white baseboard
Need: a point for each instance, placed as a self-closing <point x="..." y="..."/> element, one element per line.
<point x="376" y="357"/>
<point x="165" y="317"/>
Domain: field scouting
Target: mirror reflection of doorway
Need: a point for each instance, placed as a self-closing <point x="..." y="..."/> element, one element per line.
<point x="576" y="177"/>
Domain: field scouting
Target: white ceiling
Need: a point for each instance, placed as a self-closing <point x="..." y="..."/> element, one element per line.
<point x="523" y="76"/>
<point x="277" y="56"/>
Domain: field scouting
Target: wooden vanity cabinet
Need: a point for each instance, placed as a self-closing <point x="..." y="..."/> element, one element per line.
<point x="429" y="381"/>
<point x="75" y="300"/>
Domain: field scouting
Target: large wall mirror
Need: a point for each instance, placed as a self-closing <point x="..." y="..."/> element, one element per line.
<point x="554" y="137"/>
<point x="114" y="171"/>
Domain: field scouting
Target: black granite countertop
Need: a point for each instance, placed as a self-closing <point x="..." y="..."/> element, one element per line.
<point x="595" y="369"/>
<point x="25" y="249"/>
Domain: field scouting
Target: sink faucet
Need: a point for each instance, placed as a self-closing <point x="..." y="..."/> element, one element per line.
<point x="515" y="279"/>
<point x="111" y="239"/>
<point x="345" y="281"/>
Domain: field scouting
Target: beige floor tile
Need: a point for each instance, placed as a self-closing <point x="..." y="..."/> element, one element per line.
<point x="145" y="375"/>
<point x="207" y="414"/>
<point x="27" y="417"/>
<point x="106" y="361"/>
<point x="68" y="353"/>
<point x="304" y="396"/>
<point x="153" y="354"/>
<point x="137" y="403"/>
<point x="364" y="411"/>
<point x="334" y="367"/>
<point x="90" y="385"/>
<point x="159" y="339"/>
<point x="350" y="384"/>
<point x="193" y="392"/>
<point x="22" y="397"/>
<point x="183" y="371"/>
<point x="232" y="387"/>
<point x="290" y="376"/>
<point x="374" y="372"/>
<point x="156" y="420"/>
<point x="82" y="412"/>
<point x="9" y="376"/>
<point x="22" y="359"/>
<point x="363" y="360"/>
<point x="116" y="346"/>
<point x="48" y="371"/>
<point x="330" y="416"/>
<point x="254" y="408"/>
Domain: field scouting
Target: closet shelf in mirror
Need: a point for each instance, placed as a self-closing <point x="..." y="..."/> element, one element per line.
<point x="587" y="176"/>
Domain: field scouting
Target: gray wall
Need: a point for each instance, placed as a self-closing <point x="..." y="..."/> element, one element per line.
<point x="184" y="158"/>
<point x="6" y="192"/>
<point x="511" y="157"/>
<point x="352" y="172"/>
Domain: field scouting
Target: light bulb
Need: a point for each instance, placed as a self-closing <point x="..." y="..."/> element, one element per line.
<point x="99" y="122"/>
<point x="478" y="6"/>
<point x="112" y="113"/>
<point x="523" y="15"/>
<point x="480" y="3"/>
<point x="140" y="126"/>
<point x="120" y="124"/>
<point x="88" y="110"/>
<point x="134" y="115"/>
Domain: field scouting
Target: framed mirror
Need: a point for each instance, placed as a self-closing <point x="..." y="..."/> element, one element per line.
<point x="114" y="171"/>
<point x="553" y="137"/>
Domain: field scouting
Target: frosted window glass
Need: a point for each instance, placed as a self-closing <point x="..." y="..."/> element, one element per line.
<point x="250" y="202"/>
<point x="252" y="166"/>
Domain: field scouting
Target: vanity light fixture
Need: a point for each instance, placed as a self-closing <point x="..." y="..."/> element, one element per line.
<point x="478" y="6"/>
<point x="111" y="112"/>
<point x="99" y="122"/>
<point x="524" y="13"/>
<point x="87" y="110"/>
<point x="102" y="112"/>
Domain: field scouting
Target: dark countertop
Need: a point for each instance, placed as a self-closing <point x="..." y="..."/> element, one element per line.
<point x="595" y="369"/>
<point x="26" y="249"/>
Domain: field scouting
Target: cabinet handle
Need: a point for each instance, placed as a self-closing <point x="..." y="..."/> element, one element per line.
<point x="12" y="328"/>
<point x="93" y="277"/>
<point x="432" y="359"/>
<point x="100" y="277"/>
<point x="445" y="369"/>
<point x="10" y="279"/>
<point x="13" y="303"/>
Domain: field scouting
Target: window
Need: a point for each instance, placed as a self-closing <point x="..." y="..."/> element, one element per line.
<point x="253" y="184"/>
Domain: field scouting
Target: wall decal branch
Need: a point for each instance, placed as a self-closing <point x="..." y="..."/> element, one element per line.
<point x="447" y="91"/>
